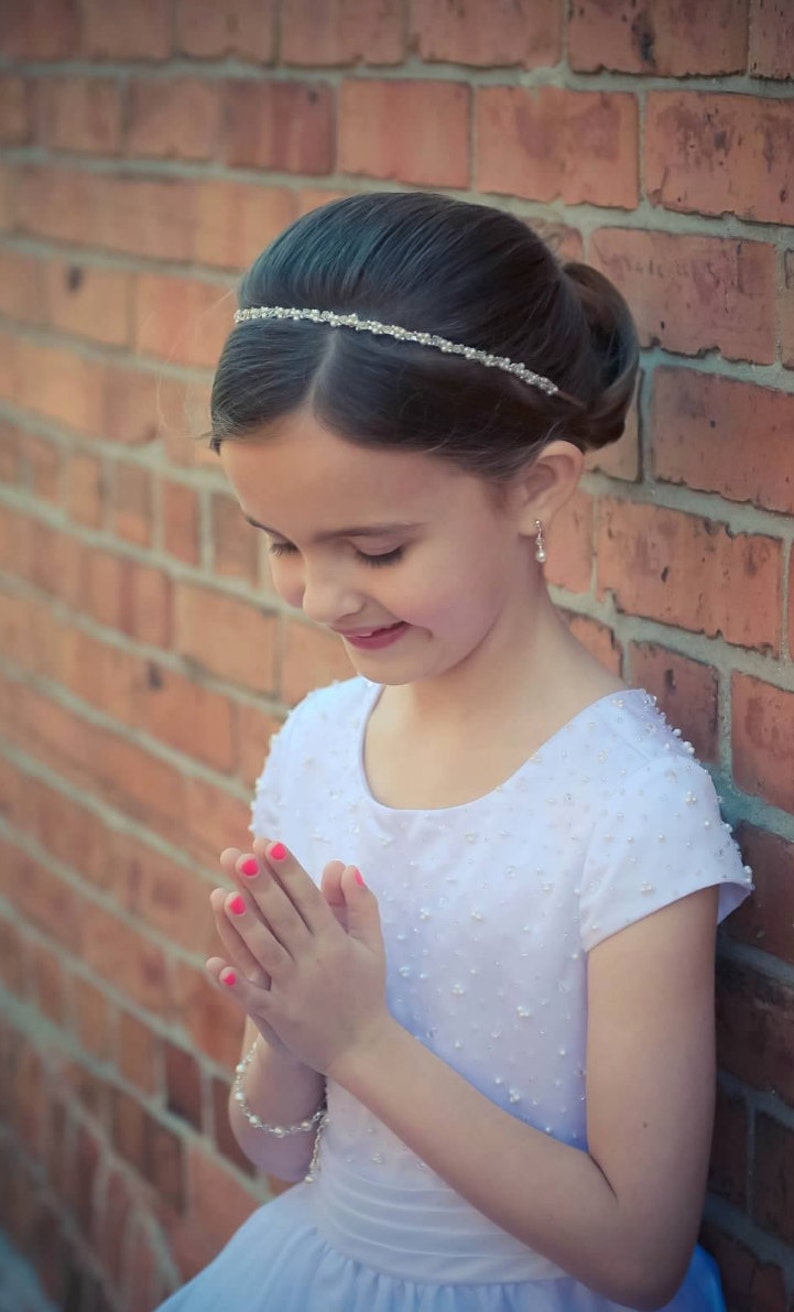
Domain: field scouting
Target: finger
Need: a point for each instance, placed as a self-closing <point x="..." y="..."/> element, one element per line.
<point x="236" y="949"/>
<point x="331" y="889"/>
<point x="232" y="982"/>
<point x="258" y="938"/>
<point x="363" y="914"/>
<point x="271" y="903"/>
<point x="299" y="887"/>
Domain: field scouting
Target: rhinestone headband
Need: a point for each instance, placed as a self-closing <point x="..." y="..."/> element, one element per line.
<point x="406" y="335"/>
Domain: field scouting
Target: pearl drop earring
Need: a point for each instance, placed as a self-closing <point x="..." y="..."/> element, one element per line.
<point x="540" y="545"/>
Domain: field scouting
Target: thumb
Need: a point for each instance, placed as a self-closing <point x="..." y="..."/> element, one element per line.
<point x="363" y="916"/>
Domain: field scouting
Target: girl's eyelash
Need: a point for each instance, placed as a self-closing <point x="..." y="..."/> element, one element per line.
<point x="388" y="557"/>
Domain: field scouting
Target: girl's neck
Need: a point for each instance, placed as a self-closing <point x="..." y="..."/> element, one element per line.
<point x="531" y="671"/>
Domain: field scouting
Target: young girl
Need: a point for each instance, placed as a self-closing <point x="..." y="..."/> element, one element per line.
<point x="474" y="939"/>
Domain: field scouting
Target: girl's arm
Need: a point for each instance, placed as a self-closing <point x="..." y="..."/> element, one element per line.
<point x="623" y="1216"/>
<point x="282" y="1091"/>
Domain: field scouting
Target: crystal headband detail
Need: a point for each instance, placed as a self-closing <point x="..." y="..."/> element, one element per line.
<point x="405" y="335"/>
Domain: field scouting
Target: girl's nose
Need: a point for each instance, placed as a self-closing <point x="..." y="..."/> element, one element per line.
<point x="328" y="600"/>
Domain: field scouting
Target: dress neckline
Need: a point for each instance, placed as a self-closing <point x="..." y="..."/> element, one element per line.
<point x="375" y="691"/>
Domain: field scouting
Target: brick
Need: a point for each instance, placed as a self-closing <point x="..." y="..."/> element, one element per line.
<point x="28" y="1097"/>
<point x="666" y="38"/>
<point x="51" y="987"/>
<point x="85" y="490"/>
<point x="183" y="423"/>
<point x="692" y="294"/>
<point x="312" y="658"/>
<point x="162" y="894"/>
<point x="71" y="833"/>
<point x="154" y="218"/>
<point x="81" y="114"/>
<point x="118" y="31"/>
<point x="183" y="1084"/>
<point x="87" y="1160"/>
<point x="41" y="897"/>
<point x="138" y="1052"/>
<point x="755" y="1029"/>
<point x="141" y="1281"/>
<point x="230" y="638"/>
<point x="125" y="958"/>
<point x="712" y="154"/>
<point x="700" y="425"/>
<point x="41" y="29"/>
<point x="42" y="464"/>
<point x="687" y="693"/>
<point x="125" y="595"/>
<point x="786" y="310"/>
<point x="220" y="1203"/>
<point x="766" y="919"/>
<point x="287" y="126"/>
<point x="179" y="508"/>
<point x="431" y="144"/>
<point x="29" y="634"/>
<point x="750" y="1285"/>
<point x="524" y="33"/>
<point x="254" y="731"/>
<point x="211" y="817"/>
<point x="210" y="29"/>
<point x="17" y="109"/>
<point x="728" y="1165"/>
<point x="10" y="447"/>
<point x="763" y="752"/>
<point x="771" y="38"/>
<point x="225" y="1141"/>
<point x="13" y="955"/>
<point x="21" y="286"/>
<point x="114" y="1215"/>
<point x="235" y="543"/>
<point x="235" y="221"/>
<point x="211" y="1021"/>
<point x="342" y="32"/>
<point x="599" y="640"/>
<point x="96" y="398"/>
<point x="311" y="198"/>
<point x="150" y="1147"/>
<point x="181" y="320"/>
<point x="89" y="300"/>
<point x="130" y="504"/>
<point x="547" y="143"/>
<point x="621" y="459"/>
<point x="569" y="544"/>
<point x="92" y="1014"/>
<point x="774" y="1173"/>
<point x="175" y="119"/>
<point x="690" y="572"/>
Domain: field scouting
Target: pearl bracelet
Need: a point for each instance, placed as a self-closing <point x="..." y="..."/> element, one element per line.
<point x="280" y="1131"/>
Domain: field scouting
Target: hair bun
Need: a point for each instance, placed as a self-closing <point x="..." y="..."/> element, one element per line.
<point x="608" y="388"/>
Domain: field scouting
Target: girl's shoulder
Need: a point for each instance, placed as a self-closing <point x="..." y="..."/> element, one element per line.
<point x="323" y="710"/>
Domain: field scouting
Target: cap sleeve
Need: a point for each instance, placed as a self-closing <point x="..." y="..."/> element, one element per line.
<point x="660" y="838"/>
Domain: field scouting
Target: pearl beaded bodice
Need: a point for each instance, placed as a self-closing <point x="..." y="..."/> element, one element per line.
<point x="489" y="908"/>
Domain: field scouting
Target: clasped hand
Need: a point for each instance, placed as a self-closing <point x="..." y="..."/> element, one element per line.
<point x="308" y="966"/>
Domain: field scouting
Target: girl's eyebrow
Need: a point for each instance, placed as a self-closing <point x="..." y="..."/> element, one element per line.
<point x="362" y="531"/>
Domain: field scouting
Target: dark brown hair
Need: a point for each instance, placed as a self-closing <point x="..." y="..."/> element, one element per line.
<point x="469" y="272"/>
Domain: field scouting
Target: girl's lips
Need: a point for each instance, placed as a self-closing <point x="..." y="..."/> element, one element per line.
<point x="380" y="638"/>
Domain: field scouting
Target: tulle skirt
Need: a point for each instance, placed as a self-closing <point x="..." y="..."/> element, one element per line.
<point x="348" y="1244"/>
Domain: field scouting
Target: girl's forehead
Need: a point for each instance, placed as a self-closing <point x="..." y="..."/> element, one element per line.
<point x="299" y="463"/>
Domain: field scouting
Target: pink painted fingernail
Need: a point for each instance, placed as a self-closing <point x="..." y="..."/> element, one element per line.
<point x="237" y="905"/>
<point x="250" y="867"/>
<point x="278" y="851"/>
<point x="358" y="875"/>
<point x="228" y="977"/>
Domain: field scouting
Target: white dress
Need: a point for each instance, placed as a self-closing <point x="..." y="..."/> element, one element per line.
<point x="489" y="910"/>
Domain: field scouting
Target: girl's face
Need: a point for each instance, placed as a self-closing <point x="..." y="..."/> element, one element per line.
<point x="439" y="555"/>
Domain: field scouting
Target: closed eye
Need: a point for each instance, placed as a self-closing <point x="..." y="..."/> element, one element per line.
<point x="387" y="558"/>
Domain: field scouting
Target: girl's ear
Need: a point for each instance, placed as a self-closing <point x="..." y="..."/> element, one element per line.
<point x="549" y="481"/>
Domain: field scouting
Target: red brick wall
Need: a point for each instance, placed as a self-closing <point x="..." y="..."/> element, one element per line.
<point x="149" y="151"/>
